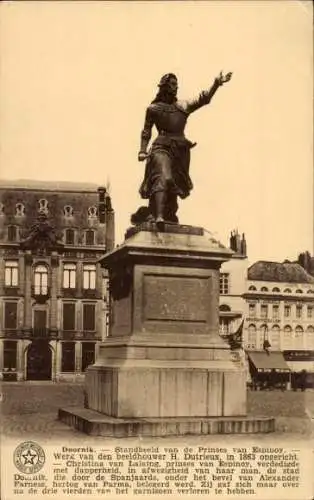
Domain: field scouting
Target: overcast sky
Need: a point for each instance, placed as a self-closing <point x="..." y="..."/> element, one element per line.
<point x="76" y="78"/>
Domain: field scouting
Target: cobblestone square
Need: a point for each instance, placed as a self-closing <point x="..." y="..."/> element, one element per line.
<point x="29" y="411"/>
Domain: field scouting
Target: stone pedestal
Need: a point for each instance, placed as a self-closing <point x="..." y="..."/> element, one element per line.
<point x="164" y="359"/>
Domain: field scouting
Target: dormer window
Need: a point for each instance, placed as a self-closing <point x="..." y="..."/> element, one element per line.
<point x="92" y="212"/>
<point x="69" y="236"/>
<point x="12" y="233"/>
<point x="68" y="211"/>
<point x="90" y="237"/>
<point x="19" y="210"/>
<point x="43" y="206"/>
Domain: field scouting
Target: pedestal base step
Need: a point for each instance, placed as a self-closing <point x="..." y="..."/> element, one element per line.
<point x="97" y="424"/>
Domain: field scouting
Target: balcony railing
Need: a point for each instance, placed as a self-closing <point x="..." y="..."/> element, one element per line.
<point x="41" y="295"/>
<point x="40" y="333"/>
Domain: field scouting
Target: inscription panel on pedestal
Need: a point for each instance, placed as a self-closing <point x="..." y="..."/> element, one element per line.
<point x="176" y="298"/>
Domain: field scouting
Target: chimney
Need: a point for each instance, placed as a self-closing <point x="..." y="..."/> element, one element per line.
<point x="238" y="241"/>
<point x="243" y="246"/>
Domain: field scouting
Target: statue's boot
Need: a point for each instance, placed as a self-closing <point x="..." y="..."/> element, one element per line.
<point x="160" y="209"/>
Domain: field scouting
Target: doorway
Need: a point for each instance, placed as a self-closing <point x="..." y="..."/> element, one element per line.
<point x="39" y="360"/>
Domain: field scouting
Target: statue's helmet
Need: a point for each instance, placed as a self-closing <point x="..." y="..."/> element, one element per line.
<point x="166" y="78"/>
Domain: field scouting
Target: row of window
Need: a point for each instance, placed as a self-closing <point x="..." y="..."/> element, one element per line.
<point x="40" y="271"/>
<point x="43" y="207"/>
<point x="266" y="312"/>
<point x="67" y="355"/>
<point x="287" y="329"/>
<point x="253" y="288"/>
<point x="225" y="287"/>
<point x="40" y="317"/>
<point x="291" y="338"/>
<point x="69" y="236"/>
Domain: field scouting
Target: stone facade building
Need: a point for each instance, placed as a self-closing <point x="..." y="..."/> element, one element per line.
<point x="279" y="315"/>
<point x="268" y="309"/>
<point x="52" y="290"/>
<point x="233" y="275"/>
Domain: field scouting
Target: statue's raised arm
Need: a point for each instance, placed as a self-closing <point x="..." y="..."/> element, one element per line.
<point x="168" y="160"/>
<point x="206" y="95"/>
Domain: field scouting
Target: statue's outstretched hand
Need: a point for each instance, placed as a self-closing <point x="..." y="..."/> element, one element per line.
<point x="221" y="79"/>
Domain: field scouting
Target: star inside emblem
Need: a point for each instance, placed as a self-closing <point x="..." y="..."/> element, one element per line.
<point x="29" y="457"/>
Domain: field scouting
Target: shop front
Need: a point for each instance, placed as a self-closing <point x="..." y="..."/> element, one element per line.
<point x="268" y="370"/>
<point x="301" y="364"/>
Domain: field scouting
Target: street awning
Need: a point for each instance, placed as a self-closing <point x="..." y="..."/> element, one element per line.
<point x="266" y="362"/>
<point x="298" y="366"/>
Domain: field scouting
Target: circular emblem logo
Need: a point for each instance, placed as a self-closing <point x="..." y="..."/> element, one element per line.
<point x="29" y="457"/>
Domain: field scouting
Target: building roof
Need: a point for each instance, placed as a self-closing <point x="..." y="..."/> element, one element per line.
<point x="284" y="272"/>
<point x="48" y="185"/>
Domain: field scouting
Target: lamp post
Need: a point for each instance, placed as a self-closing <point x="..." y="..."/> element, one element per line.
<point x="266" y="344"/>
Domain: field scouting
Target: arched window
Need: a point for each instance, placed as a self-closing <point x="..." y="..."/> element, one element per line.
<point x="251" y="343"/>
<point x="310" y="291"/>
<point x="12" y="233"/>
<point x="263" y="334"/>
<point x="41" y="280"/>
<point x="298" y="337"/>
<point x="287" y="337"/>
<point x="276" y="289"/>
<point x="69" y="236"/>
<point x="252" y="288"/>
<point x="287" y="290"/>
<point x="263" y="328"/>
<point x="299" y="291"/>
<point x="275" y="337"/>
<point x="43" y="206"/>
<point x="92" y="212"/>
<point x="19" y="210"/>
<point x="224" y="308"/>
<point x="264" y="289"/>
<point x="68" y="211"/>
<point x="310" y="337"/>
<point x="90" y="237"/>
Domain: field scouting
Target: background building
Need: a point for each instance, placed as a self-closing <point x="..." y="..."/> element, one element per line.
<point x="233" y="275"/>
<point x="280" y="316"/>
<point x="52" y="289"/>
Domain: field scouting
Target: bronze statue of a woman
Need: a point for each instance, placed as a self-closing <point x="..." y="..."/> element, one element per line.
<point x="168" y="160"/>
